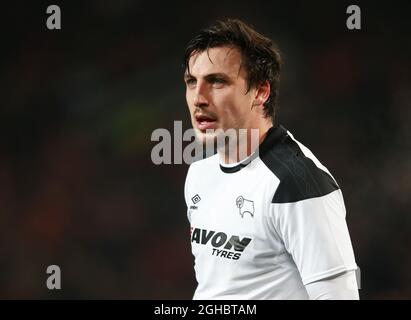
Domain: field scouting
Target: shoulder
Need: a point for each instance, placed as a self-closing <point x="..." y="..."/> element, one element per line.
<point x="202" y="166"/>
<point x="197" y="170"/>
<point x="300" y="173"/>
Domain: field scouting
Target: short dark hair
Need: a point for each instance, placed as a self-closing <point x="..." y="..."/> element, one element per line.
<point x="260" y="55"/>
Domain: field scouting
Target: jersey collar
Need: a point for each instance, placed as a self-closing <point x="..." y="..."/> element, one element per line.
<point x="274" y="135"/>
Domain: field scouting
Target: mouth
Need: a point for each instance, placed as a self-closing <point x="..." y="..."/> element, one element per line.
<point x="205" y="122"/>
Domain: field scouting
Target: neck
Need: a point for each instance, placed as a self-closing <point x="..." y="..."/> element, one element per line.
<point x="243" y="145"/>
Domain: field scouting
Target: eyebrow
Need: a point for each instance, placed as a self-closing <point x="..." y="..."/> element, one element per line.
<point x="209" y="76"/>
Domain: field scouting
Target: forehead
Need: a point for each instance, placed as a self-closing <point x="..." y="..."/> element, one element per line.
<point x="216" y="60"/>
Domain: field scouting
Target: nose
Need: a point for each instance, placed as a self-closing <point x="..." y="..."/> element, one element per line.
<point x="200" y="99"/>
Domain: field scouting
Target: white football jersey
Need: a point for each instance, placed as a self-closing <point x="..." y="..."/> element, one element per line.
<point x="266" y="227"/>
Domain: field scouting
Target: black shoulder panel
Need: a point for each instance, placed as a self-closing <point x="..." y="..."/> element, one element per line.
<point x="300" y="178"/>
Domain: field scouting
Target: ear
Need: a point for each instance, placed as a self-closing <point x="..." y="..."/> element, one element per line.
<point x="262" y="93"/>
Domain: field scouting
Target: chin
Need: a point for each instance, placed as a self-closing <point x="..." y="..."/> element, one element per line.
<point x="204" y="137"/>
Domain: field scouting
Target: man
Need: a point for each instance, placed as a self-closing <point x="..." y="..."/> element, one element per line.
<point x="269" y="224"/>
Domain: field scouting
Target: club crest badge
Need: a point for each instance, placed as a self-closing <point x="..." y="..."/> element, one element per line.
<point x="245" y="206"/>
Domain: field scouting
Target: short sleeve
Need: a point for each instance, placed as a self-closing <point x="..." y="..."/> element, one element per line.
<point x="315" y="233"/>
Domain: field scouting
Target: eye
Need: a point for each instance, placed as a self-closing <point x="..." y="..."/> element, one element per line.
<point x="218" y="82"/>
<point x="190" y="82"/>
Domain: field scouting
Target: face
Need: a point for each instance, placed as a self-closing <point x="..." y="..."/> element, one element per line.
<point x="216" y="92"/>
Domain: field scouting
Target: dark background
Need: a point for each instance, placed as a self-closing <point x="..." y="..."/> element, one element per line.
<point x="78" y="106"/>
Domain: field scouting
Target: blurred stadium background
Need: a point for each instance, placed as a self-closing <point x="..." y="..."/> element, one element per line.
<point x="78" y="105"/>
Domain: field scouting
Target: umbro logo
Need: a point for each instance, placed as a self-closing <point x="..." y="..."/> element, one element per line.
<point x="196" y="199"/>
<point x="244" y="206"/>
